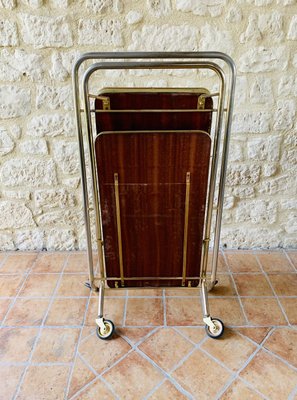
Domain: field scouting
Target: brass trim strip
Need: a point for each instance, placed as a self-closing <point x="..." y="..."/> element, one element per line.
<point x="105" y="101"/>
<point x="119" y="230"/>
<point x="186" y="224"/>
<point x="154" y="110"/>
<point x="149" y="278"/>
<point x="113" y="89"/>
<point x="151" y="131"/>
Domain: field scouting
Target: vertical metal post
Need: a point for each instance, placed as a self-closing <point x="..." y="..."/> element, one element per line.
<point x="219" y="213"/>
<point x="119" y="228"/>
<point x="186" y="225"/>
<point x="83" y="176"/>
<point x="94" y="178"/>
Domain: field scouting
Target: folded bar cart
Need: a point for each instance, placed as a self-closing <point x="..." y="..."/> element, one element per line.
<point x="155" y="157"/>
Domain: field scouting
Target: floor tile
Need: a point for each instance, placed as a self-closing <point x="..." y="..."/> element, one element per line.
<point x="221" y="266"/>
<point x="283" y="342"/>
<point x="256" y="334"/>
<point x="56" y="345"/>
<point x="166" y="348"/>
<point x="42" y="285"/>
<point x="252" y="285"/>
<point x="270" y="376"/>
<point x="27" y="312"/>
<point x="151" y="292"/>
<point x="224" y="287"/>
<point x="16" y="344"/>
<point x="44" y="383"/>
<point x="3" y="255"/>
<point x="81" y="376"/>
<point x="182" y="292"/>
<point x="293" y="257"/>
<point x="113" y="292"/>
<point x="4" y="306"/>
<point x="49" y="262"/>
<point x="263" y="311"/>
<point x="239" y="391"/>
<point x="92" y="390"/>
<point x="167" y="391"/>
<point x="274" y="261"/>
<point x="73" y="285"/>
<point x="195" y="377"/>
<point x="144" y="312"/>
<point x="113" y="310"/>
<point x="78" y="262"/>
<point x="134" y="334"/>
<point x="242" y="261"/>
<point x="290" y="307"/>
<point x="223" y="349"/>
<point x="183" y="311"/>
<point x="101" y="354"/>
<point x="194" y="334"/>
<point x="133" y="378"/>
<point x="66" y="312"/>
<point x="18" y="263"/>
<point x="10" y="284"/>
<point x="109" y="292"/>
<point x="227" y="310"/>
<point x="87" y="331"/>
<point x="284" y="284"/>
<point x="10" y="376"/>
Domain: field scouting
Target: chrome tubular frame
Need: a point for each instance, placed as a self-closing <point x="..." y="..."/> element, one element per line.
<point x="169" y="60"/>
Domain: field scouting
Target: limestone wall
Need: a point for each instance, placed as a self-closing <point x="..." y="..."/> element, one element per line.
<point x="40" y="193"/>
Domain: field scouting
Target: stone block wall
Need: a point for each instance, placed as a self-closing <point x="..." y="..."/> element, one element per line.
<point x="40" y="192"/>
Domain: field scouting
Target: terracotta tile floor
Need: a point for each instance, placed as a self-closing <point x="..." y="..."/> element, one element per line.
<point x="49" y="349"/>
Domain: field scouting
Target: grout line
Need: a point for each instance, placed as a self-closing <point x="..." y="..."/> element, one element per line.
<point x="185" y="337"/>
<point x="273" y="290"/>
<point x="140" y="341"/>
<point x="237" y="293"/>
<point x="141" y="326"/>
<point x="125" y="310"/>
<point x="155" y="388"/>
<point x="3" y="261"/>
<point x="174" y="383"/>
<point x="110" y="387"/>
<point x="225" y="387"/>
<point x="252" y="387"/>
<point x="163" y="372"/>
<point x="293" y="394"/>
<point x="291" y="262"/>
<point x="40" y="330"/>
<point x="279" y="358"/>
<point x="84" y="387"/>
<point x="26" y="275"/>
<point x="164" y="308"/>
<point x="76" y="348"/>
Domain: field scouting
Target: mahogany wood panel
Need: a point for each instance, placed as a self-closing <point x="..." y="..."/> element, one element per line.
<point x="152" y="120"/>
<point x="152" y="168"/>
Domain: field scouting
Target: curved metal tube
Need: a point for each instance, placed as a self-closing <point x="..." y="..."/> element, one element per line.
<point x="163" y="64"/>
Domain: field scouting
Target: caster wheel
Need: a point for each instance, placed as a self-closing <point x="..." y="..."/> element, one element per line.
<point x="218" y="331"/>
<point x="109" y="330"/>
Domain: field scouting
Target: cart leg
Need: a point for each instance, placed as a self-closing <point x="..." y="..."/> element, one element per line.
<point x="214" y="327"/>
<point x="105" y="328"/>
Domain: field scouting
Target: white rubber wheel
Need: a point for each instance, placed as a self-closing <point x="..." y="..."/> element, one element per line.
<point x="218" y="331"/>
<point x="108" y="332"/>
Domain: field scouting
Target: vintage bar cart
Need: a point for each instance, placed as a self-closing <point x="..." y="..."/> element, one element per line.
<point x="155" y="156"/>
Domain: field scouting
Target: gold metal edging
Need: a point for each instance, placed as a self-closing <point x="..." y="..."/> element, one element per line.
<point x="119" y="229"/>
<point x="186" y="224"/>
<point x="152" y="90"/>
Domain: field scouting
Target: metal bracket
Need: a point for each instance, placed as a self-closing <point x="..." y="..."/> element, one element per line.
<point x="208" y="322"/>
<point x="100" y="323"/>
